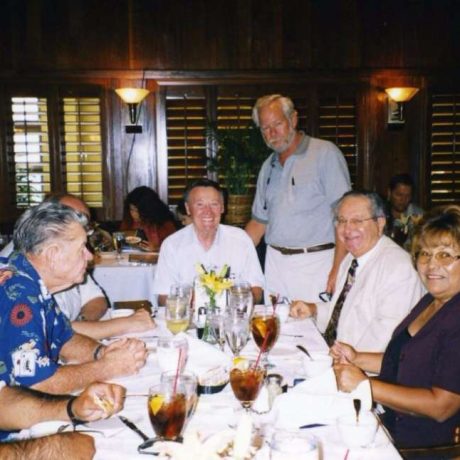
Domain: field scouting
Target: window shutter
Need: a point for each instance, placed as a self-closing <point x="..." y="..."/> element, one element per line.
<point x="337" y="123"/>
<point x="29" y="151"/>
<point x="445" y="149"/>
<point x="81" y="148"/>
<point x="186" y="132"/>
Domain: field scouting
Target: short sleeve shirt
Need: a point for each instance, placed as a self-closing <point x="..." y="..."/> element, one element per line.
<point x="295" y="201"/>
<point x="32" y="329"/>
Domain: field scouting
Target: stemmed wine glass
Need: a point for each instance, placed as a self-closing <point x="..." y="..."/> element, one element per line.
<point x="265" y="328"/>
<point x="246" y="379"/>
<point x="240" y="299"/>
<point x="236" y="332"/>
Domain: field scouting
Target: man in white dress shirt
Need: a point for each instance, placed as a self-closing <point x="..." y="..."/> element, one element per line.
<point x="208" y="242"/>
<point x="385" y="284"/>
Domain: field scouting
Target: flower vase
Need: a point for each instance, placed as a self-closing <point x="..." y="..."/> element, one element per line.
<point x="208" y="332"/>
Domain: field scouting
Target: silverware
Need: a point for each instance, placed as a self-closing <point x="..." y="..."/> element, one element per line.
<point x="304" y="350"/>
<point x="311" y="425"/>
<point x="357" y="406"/>
<point x="133" y="427"/>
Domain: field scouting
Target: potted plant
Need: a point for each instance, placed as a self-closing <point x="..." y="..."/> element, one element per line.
<point x="238" y="154"/>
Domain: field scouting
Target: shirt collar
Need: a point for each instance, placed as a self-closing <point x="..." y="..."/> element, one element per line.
<point x="365" y="257"/>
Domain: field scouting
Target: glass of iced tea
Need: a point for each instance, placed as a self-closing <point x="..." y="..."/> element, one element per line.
<point x="170" y="405"/>
<point x="265" y="328"/>
<point x="190" y="382"/>
<point x="177" y="313"/>
<point x="246" y="380"/>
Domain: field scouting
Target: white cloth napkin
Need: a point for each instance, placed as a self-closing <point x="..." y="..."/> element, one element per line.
<point x="202" y="356"/>
<point x="317" y="401"/>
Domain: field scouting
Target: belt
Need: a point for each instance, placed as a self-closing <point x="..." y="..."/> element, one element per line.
<point x="292" y="251"/>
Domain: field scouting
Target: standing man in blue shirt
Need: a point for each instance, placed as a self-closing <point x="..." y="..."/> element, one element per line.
<point x="297" y="187"/>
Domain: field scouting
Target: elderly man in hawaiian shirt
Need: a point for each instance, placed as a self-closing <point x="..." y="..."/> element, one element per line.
<point x="35" y="337"/>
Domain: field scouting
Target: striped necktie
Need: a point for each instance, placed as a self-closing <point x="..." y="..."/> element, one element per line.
<point x="331" y="331"/>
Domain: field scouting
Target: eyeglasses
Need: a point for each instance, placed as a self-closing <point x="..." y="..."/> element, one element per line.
<point x="354" y="222"/>
<point x="442" y="257"/>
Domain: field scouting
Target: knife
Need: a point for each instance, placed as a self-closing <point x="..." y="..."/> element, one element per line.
<point x="133" y="427"/>
<point x="312" y="425"/>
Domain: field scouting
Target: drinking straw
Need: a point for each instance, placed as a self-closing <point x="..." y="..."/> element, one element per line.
<point x="274" y="298"/>
<point x="262" y="350"/>
<point x="177" y="371"/>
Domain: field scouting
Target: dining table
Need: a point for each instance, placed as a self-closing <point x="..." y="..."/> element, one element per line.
<point x="221" y="411"/>
<point x="126" y="278"/>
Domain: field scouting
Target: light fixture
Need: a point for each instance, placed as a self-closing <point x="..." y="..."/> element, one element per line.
<point x="396" y="99"/>
<point x="133" y="97"/>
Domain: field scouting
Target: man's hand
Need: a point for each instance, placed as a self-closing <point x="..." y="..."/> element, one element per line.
<point x="140" y="321"/>
<point x="99" y="400"/>
<point x="300" y="309"/>
<point x="348" y="377"/>
<point x="124" y="357"/>
<point x="5" y="274"/>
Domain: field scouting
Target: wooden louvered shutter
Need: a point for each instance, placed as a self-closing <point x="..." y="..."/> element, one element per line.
<point x="445" y="149"/>
<point x="81" y="148"/>
<point x="337" y="123"/>
<point x="28" y="151"/>
<point x="186" y="120"/>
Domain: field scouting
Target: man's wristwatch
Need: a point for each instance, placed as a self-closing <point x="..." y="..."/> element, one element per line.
<point x="73" y="419"/>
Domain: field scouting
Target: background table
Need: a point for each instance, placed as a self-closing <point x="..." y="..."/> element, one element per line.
<point x="122" y="280"/>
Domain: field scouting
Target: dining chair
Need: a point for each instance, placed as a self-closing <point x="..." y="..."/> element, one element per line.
<point x="450" y="452"/>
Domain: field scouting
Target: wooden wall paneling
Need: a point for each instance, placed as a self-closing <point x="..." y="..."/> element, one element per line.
<point x="336" y="32"/>
<point x="297" y="35"/>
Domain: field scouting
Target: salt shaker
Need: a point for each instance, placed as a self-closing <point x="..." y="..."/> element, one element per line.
<point x="274" y="389"/>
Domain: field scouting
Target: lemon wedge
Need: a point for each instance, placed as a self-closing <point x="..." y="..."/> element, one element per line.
<point x="155" y="403"/>
<point x="241" y="363"/>
<point x="262" y="328"/>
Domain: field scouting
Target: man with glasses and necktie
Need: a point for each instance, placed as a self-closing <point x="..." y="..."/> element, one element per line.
<point x="376" y="284"/>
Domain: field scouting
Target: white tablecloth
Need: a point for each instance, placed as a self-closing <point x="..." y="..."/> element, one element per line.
<point x="215" y="412"/>
<point x="122" y="280"/>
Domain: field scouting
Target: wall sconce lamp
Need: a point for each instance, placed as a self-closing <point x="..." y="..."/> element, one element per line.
<point x="396" y="99"/>
<point x="133" y="97"/>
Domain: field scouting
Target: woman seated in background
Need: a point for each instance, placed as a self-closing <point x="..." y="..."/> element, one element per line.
<point x="145" y="213"/>
<point x="418" y="379"/>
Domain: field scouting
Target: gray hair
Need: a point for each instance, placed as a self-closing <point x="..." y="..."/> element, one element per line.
<point x="42" y="223"/>
<point x="287" y="106"/>
<point x="376" y="203"/>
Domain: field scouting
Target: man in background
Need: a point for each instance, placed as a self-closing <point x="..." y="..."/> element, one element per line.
<point x="297" y="187"/>
<point x="402" y="214"/>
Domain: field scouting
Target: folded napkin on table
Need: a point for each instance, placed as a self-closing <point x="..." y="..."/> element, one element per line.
<point x="202" y="356"/>
<point x="317" y="400"/>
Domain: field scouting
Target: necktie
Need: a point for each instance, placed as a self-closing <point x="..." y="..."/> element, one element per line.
<point x="331" y="331"/>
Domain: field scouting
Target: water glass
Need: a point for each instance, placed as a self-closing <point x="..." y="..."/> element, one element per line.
<point x="118" y="240"/>
<point x="286" y="445"/>
<point x="181" y="290"/>
<point x="240" y="299"/>
<point x="236" y="332"/>
<point x="177" y="313"/>
<point x="169" y="350"/>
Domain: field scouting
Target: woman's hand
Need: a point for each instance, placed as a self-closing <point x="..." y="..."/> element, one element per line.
<point x="348" y="376"/>
<point x="300" y="309"/>
<point x="147" y="246"/>
<point x="343" y="353"/>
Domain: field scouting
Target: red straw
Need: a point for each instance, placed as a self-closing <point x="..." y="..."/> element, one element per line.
<point x="262" y="349"/>
<point x="274" y="298"/>
<point x="177" y="371"/>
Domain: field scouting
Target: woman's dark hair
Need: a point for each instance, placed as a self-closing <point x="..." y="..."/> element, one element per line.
<point x="438" y="227"/>
<point x="151" y="209"/>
